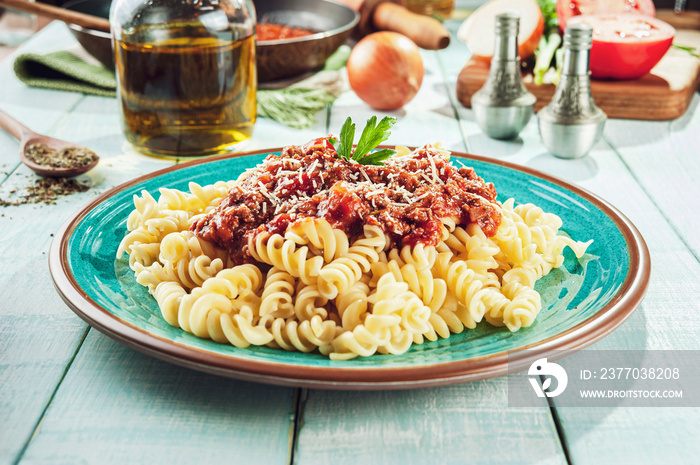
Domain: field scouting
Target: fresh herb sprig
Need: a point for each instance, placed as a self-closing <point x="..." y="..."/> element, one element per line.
<point x="372" y="135"/>
<point x="691" y="50"/>
<point x="550" y="41"/>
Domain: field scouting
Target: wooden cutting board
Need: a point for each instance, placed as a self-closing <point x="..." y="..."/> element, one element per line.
<point x="663" y="94"/>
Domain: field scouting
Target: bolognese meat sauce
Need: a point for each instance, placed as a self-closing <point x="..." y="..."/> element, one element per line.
<point x="407" y="198"/>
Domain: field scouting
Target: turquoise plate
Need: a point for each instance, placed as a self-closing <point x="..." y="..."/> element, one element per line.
<point x="582" y="301"/>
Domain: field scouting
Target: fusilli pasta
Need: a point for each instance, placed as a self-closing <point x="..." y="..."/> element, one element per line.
<point x="311" y="287"/>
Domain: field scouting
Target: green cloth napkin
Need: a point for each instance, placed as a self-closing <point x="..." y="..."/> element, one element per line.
<point x="294" y="104"/>
<point x="64" y="70"/>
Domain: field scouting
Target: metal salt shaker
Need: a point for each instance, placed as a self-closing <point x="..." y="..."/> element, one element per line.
<point x="571" y="123"/>
<point x="503" y="106"/>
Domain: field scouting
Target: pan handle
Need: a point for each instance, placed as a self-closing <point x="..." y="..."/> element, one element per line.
<point x="62" y="14"/>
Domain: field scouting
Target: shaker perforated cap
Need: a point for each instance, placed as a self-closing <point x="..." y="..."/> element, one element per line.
<point x="578" y="37"/>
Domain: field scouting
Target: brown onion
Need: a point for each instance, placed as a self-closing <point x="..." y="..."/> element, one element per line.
<point x="479" y="30"/>
<point x="385" y="70"/>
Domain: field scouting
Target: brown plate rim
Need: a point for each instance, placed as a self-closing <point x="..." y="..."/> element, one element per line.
<point x="607" y="319"/>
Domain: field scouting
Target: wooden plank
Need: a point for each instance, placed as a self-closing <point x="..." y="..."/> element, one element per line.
<point x="39" y="334"/>
<point x="15" y="102"/>
<point x="119" y="406"/>
<point x="662" y="94"/>
<point x="270" y="134"/>
<point x="631" y="435"/>
<point x="668" y="318"/>
<point x="664" y="161"/>
<point x="469" y="423"/>
<point x="687" y="19"/>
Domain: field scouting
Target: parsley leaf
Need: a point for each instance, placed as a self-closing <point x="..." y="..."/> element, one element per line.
<point x="376" y="158"/>
<point x="347" y="135"/>
<point x="372" y="135"/>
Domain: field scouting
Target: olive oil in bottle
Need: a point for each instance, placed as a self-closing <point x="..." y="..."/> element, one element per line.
<point x="186" y="85"/>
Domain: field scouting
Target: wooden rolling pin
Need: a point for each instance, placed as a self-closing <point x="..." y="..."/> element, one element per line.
<point x="61" y="14"/>
<point x="387" y="15"/>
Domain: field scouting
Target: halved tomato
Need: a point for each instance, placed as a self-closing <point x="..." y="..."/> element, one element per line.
<point x="626" y="46"/>
<point x="570" y="8"/>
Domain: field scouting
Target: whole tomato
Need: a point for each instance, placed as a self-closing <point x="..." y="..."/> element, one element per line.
<point x="570" y="8"/>
<point x="627" y="45"/>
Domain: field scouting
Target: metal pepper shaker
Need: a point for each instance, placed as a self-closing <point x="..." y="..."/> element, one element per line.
<point x="571" y="124"/>
<point x="503" y="106"/>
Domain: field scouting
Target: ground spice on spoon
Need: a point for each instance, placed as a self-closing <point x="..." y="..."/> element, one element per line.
<point x="48" y="190"/>
<point x="68" y="157"/>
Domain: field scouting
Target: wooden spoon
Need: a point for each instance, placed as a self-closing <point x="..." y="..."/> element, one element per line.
<point x="61" y="14"/>
<point x="27" y="137"/>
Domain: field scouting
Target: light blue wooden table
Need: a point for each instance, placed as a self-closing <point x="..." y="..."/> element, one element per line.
<point x="69" y="394"/>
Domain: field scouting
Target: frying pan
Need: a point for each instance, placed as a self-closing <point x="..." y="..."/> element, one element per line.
<point x="276" y="59"/>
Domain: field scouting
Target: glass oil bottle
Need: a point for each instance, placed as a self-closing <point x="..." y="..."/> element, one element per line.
<point x="186" y="74"/>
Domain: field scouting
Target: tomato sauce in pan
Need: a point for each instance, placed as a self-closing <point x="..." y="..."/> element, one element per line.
<point x="271" y="31"/>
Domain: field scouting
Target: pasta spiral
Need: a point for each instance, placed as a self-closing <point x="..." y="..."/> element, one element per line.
<point x="274" y="250"/>
<point x="343" y="272"/>
<point x="332" y="243"/>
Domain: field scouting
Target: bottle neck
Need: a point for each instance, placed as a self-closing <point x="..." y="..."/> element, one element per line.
<point x="505" y="48"/>
<point x="575" y="63"/>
